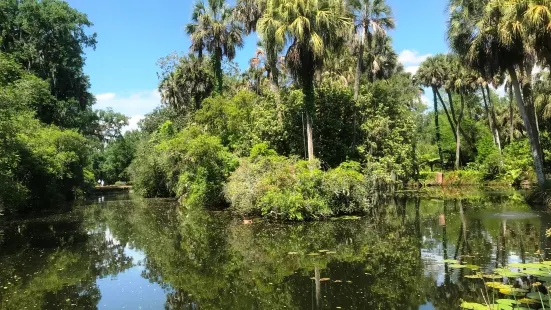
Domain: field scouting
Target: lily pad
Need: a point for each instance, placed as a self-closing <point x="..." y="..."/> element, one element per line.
<point x="513" y="291"/>
<point x="507" y="302"/>
<point x="474" y="276"/>
<point x="313" y="254"/>
<point x="510" y="274"/>
<point x="477" y="306"/>
<point x="457" y="266"/>
<point x="540" y="273"/>
<point x="498" y="285"/>
<point x="528" y="301"/>
<point x="450" y="261"/>
<point x="323" y="251"/>
<point x="292" y="253"/>
<point x="473" y="267"/>
<point x="492" y="276"/>
<point x="538" y="296"/>
<point x="473" y="306"/>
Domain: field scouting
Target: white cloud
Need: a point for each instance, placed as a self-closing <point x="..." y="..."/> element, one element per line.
<point x="411" y="60"/>
<point x="411" y="69"/>
<point x="104" y="97"/>
<point x="134" y="104"/>
<point x="133" y="123"/>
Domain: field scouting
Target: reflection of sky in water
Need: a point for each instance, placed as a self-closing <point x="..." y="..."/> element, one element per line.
<point x="129" y="290"/>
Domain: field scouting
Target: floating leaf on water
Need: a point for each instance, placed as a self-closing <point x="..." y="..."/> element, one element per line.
<point x="492" y="276"/>
<point x="548" y="263"/>
<point x="507" y="302"/>
<point x="477" y="306"/>
<point x="324" y="279"/>
<point x="513" y="291"/>
<point x="535" y="266"/>
<point x="538" y="296"/>
<point x="517" y="265"/>
<point x="528" y="301"/>
<point x="498" y="285"/>
<point x="292" y="253"/>
<point x="473" y="306"/>
<point x="313" y="254"/>
<point x="544" y="279"/>
<point x="473" y="267"/>
<point x="474" y="276"/>
<point x="457" y="266"/>
<point x="450" y="261"/>
<point x="323" y="251"/>
<point x="338" y="281"/>
<point x="534" y="272"/>
<point x="510" y="274"/>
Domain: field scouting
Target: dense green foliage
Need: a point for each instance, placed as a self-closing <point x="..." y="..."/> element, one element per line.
<point x="324" y="86"/>
<point x="291" y="189"/>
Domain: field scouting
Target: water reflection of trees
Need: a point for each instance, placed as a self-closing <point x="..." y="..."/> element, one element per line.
<point x="53" y="263"/>
<point x="213" y="261"/>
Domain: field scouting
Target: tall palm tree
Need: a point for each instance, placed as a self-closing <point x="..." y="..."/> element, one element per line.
<point x="215" y="30"/>
<point x="371" y="17"/>
<point x="310" y="28"/>
<point x="430" y="74"/>
<point x="483" y="32"/>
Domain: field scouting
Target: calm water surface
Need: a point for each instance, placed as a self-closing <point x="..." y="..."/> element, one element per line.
<point x="123" y="253"/>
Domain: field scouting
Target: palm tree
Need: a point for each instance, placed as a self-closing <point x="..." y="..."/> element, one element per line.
<point x="215" y="30"/>
<point x="482" y="31"/>
<point x="310" y="28"/>
<point x="185" y="87"/>
<point x="248" y="12"/>
<point x="384" y="59"/>
<point x="430" y="74"/>
<point x="371" y="17"/>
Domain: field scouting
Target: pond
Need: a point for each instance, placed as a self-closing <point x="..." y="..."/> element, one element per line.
<point x="121" y="252"/>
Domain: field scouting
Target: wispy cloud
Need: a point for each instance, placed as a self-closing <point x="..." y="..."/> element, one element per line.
<point x="135" y="105"/>
<point x="411" y="60"/>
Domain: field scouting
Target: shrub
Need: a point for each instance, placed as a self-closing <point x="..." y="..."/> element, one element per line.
<point x="291" y="189"/>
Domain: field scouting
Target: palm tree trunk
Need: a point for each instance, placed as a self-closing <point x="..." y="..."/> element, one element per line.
<point x="532" y="133"/>
<point x="437" y="126"/>
<point x="458" y="136"/>
<point x="452" y="122"/>
<point x="217" y="63"/>
<point x="309" y="97"/>
<point x="495" y="130"/>
<point x="359" y="67"/>
<point x="511" y="115"/>
<point x="370" y="60"/>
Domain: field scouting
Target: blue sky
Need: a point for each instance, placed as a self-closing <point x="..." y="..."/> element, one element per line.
<point x="133" y="35"/>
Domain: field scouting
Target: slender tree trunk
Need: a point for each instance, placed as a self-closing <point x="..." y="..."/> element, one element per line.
<point x="458" y="136"/>
<point x="217" y="62"/>
<point x="437" y="126"/>
<point x="511" y="115"/>
<point x="370" y="60"/>
<point x="494" y="119"/>
<point x="532" y="133"/>
<point x="359" y="67"/>
<point x="487" y="112"/>
<point x="452" y="108"/>
<point x="452" y="122"/>
<point x="309" y="97"/>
